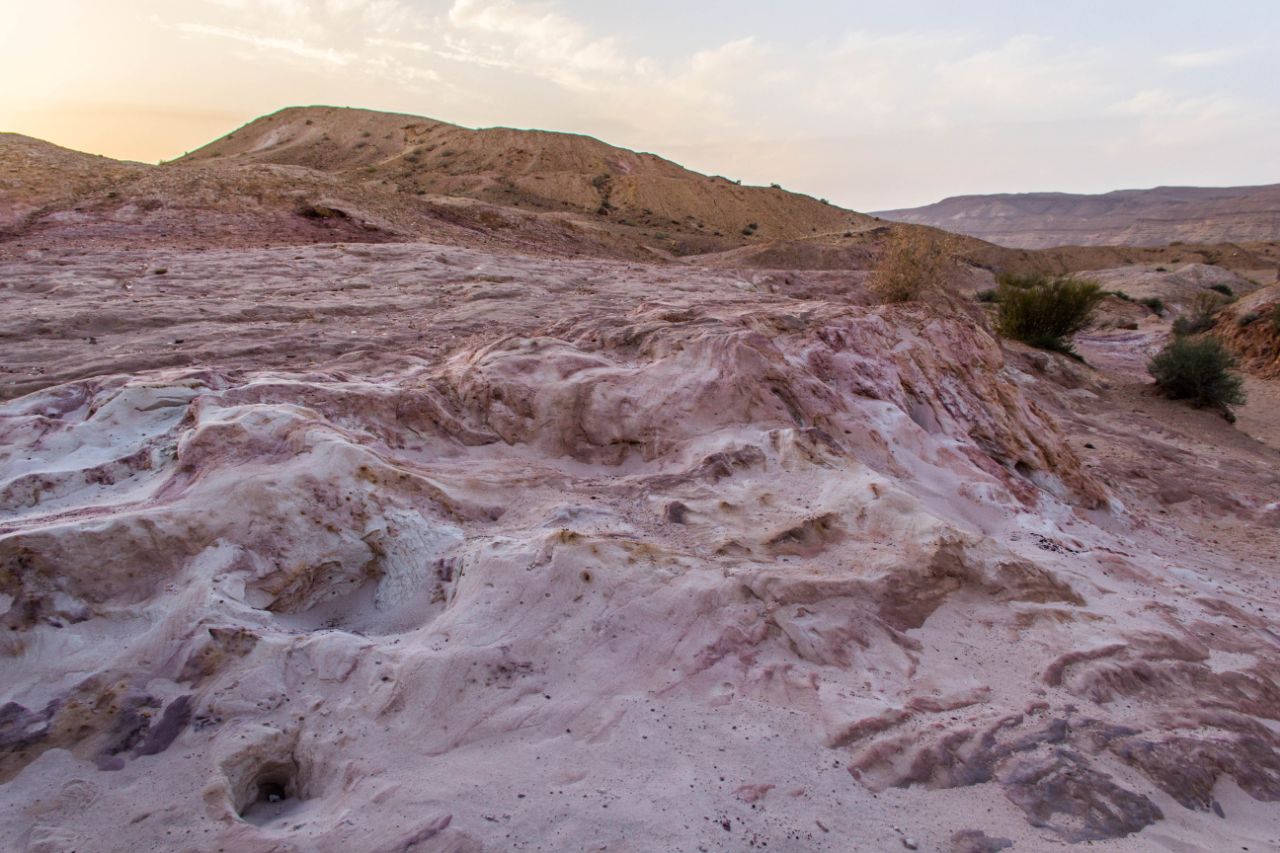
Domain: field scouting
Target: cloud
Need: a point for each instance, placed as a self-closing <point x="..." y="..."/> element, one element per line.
<point x="1203" y="58"/>
<point x="291" y="47"/>
<point x="533" y="38"/>
<point x="1166" y="105"/>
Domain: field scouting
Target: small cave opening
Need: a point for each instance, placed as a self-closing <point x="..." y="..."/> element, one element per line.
<point x="273" y="793"/>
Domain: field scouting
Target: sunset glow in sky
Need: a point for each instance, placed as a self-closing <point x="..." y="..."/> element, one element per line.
<point x="870" y="106"/>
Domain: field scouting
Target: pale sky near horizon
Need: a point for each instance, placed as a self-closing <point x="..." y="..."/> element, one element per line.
<point x="873" y="105"/>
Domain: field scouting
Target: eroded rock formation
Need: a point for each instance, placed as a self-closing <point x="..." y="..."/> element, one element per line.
<point x="601" y="554"/>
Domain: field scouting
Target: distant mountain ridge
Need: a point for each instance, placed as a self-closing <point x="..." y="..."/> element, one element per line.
<point x="1149" y="217"/>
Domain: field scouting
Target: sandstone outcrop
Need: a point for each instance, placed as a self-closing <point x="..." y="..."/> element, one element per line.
<point x="482" y="551"/>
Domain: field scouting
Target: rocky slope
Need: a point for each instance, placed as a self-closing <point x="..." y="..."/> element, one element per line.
<point x="54" y="197"/>
<point x="534" y="170"/>
<point x="1121" y="218"/>
<point x="35" y="175"/>
<point x="1251" y="327"/>
<point x="414" y="547"/>
<point x="321" y="175"/>
<point x="316" y="175"/>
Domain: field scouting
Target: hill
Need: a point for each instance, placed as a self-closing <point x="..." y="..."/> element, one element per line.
<point x="321" y="174"/>
<point x="532" y="170"/>
<point x="325" y="174"/>
<point x="1121" y="218"/>
<point x="36" y="175"/>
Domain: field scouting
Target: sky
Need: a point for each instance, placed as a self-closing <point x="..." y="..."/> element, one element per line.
<point x="872" y="105"/>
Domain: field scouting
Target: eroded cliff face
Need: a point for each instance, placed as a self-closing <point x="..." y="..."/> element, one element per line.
<point x="1251" y="329"/>
<point x="648" y="561"/>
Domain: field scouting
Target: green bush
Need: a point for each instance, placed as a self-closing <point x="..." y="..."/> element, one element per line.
<point x="1223" y="289"/>
<point x="988" y="295"/>
<point x="1121" y="295"/>
<point x="1155" y="303"/>
<point x="1248" y="318"/>
<point x="1198" y="371"/>
<point x="1044" y="312"/>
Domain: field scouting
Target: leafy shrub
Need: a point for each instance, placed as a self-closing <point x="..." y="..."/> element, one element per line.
<point x="1198" y="370"/>
<point x="914" y="262"/>
<point x="988" y="295"/>
<point x="1155" y="303"/>
<point x="1121" y="295"/>
<point x="1044" y="312"/>
<point x="1201" y="315"/>
<point x="1223" y="289"/>
<point x="1248" y="318"/>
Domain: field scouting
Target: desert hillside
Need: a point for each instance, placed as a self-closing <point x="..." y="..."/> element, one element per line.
<point x="534" y="170"/>
<point x="1121" y="218"/>
<point x="369" y="483"/>
<point x="36" y="175"/>
<point x="319" y="174"/>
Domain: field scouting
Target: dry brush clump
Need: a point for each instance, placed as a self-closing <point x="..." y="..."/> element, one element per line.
<point x="915" y="263"/>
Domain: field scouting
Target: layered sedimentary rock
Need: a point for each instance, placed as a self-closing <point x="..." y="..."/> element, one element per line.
<point x="1152" y="217"/>
<point x="603" y="555"/>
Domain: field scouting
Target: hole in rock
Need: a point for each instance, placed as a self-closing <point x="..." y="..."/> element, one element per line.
<point x="273" y="794"/>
